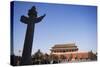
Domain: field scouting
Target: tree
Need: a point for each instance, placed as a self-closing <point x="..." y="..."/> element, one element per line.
<point x="70" y="57"/>
<point x="37" y="57"/>
<point x="63" y="57"/>
<point x="54" y="58"/>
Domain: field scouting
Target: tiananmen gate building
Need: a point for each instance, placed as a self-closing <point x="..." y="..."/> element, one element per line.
<point x="71" y="52"/>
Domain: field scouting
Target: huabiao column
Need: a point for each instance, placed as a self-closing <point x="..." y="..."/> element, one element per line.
<point x="30" y="20"/>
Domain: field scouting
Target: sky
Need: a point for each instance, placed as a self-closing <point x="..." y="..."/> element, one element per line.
<point x="63" y="23"/>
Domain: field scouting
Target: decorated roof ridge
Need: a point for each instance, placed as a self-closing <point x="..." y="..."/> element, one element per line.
<point x="65" y="45"/>
<point x="64" y="48"/>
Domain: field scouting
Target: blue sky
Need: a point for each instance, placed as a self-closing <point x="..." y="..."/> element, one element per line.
<point x="62" y="24"/>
